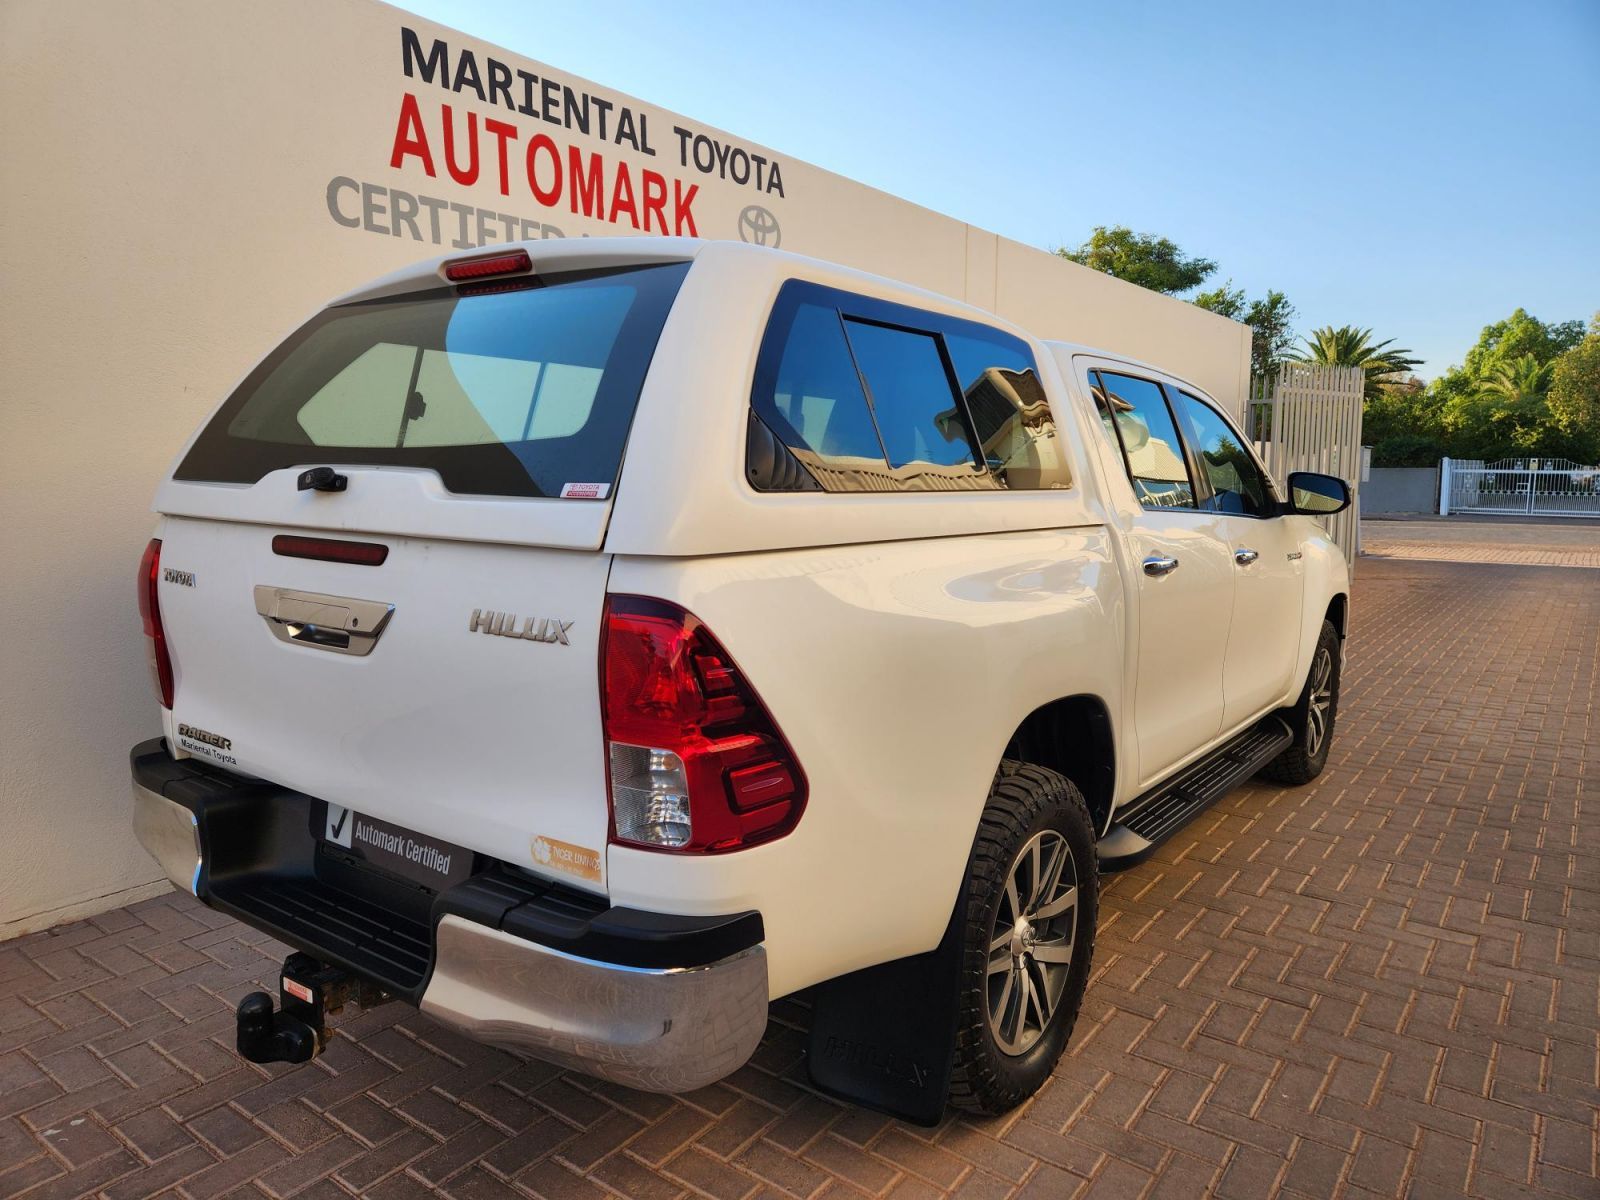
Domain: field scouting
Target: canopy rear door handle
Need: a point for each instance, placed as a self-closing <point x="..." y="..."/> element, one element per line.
<point x="341" y="624"/>
<point x="1158" y="565"/>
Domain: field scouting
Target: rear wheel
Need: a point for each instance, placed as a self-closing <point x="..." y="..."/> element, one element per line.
<point x="1312" y="717"/>
<point x="1028" y="941"/>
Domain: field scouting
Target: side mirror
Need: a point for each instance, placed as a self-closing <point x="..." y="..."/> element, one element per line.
<point x="1317" y="495"/>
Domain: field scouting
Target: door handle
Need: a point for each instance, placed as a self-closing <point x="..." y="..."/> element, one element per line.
<point x="1244" y="556"/>
<point x="1159" y="565"/>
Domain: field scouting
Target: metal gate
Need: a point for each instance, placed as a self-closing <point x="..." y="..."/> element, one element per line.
<point x="1540" y="487"/>
<point x="1308" y="418"/>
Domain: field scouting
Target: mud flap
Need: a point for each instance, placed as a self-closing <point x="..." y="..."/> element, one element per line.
<point x="885" y="1037"/>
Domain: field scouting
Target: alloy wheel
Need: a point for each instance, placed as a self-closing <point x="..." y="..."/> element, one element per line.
<point x="1321" y="701"/>
<point x="1030" y="942"/>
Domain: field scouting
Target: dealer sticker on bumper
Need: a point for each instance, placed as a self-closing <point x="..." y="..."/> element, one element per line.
<point x="400" y="851"/>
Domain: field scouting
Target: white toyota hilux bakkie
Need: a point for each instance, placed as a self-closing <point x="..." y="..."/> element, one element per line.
<point x="589" y="642"/>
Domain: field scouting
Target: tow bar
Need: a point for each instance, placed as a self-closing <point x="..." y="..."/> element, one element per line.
<point x="307" y="992"/>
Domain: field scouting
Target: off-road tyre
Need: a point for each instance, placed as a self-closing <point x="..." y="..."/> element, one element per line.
<point x="1304" y="759"/>
<point x="1024" y="801"/>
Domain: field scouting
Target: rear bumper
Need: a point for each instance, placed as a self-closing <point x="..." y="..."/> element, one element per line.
<point x="171" y="834"/>
<point x="650" y="1000"/>
<point x="662" y="1030"/>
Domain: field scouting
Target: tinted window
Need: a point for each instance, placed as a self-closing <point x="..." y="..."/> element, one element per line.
<point x="1010" y="414"/>
<point x="1236" y="482"/>
<point x="852" y="393"/>
<point x="511" y="393"/>
<point x="918" y="415"/>
<point x="821" y="411"/>
<point x="1150" y="443"/>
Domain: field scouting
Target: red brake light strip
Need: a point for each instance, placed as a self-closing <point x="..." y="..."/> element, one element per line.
<point x="361" y="554"/>
<point x="468" y="269"/>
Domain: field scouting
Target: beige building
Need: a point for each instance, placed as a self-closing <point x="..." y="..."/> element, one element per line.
<point x="189" y="180"/>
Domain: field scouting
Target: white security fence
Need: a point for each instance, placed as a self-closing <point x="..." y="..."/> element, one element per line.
<point x="1308" y="418"/>
<point x="1541" y="487"/>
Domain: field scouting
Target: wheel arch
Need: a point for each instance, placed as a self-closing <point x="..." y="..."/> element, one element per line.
<point x="1073" y="736"/>
<point x="1339" y="613"/>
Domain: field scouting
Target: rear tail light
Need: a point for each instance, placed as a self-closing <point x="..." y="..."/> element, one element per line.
<point x="155" y="638"/>
<point x="696" y="762"/>
<point x="467" y="269"/>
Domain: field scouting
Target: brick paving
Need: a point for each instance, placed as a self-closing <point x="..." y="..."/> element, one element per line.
<point x="1548" y="543"/>
<point x="1384" y="983"/>
<point x="1485" y="552"/>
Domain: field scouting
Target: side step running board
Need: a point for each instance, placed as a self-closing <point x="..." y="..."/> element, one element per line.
<point x="1169" y="806"/>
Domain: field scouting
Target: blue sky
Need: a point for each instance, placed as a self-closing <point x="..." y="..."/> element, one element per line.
<point x="1422" y="168"/>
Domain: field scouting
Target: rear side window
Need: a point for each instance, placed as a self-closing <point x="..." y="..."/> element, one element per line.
<point x="1135" y="411"/>
<point x="508" y="391"/>
<point x="917" y="414"/>
<point x="817" y="402"/>
<point x="864" y="395"/>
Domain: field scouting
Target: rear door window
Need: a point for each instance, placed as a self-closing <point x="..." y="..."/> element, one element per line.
<point x="511" y="390"/>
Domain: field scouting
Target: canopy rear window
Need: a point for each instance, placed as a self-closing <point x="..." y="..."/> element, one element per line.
<point x="507" y="389"/>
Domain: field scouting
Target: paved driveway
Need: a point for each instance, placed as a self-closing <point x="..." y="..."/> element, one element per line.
<point x="1527" y="541"/>
<point x="1385" y="981"/>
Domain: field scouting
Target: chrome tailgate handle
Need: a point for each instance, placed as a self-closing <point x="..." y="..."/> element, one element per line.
<point x="1244" y="556"/>
<point x="342" y="624"/>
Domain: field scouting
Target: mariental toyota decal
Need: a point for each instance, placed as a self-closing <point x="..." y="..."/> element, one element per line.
<point x="579" y="172"/>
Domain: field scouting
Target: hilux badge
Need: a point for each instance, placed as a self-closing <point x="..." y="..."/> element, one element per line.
<point x="534" y="629"/>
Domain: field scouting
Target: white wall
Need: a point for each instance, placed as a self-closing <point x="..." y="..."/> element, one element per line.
<point x="168" y="167"/>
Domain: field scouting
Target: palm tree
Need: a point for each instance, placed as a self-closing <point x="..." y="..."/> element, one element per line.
<point x="1522" y="382"/>
<point x="1348" y="346"/>
<point x="1509" y="406"/>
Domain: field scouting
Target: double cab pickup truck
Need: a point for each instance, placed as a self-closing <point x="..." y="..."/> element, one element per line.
<point x="590" y="642"/>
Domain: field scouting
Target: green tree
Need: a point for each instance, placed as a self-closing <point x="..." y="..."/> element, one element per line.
<point x="1226" y="301"/>
<point x="1518" y="335"/>
<point x="1574" y="396"/>
<point x="1403" y="426"/>
<point x="1348" y="346"/>
<point x="1270" y="319"/>
<point x="1507" y="414"/>
<point x="1498" y="403"/>
<point x="1142" y="258"/>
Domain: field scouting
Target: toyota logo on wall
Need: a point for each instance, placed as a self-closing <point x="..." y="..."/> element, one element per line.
<point x="759" y="227"/>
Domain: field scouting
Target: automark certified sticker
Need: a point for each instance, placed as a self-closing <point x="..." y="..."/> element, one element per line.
<point x="416" y="856"/>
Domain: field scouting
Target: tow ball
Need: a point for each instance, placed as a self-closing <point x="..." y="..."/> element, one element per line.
<point x="308" y="991"/>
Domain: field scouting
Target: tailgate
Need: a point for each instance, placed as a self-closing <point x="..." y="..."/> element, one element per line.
<point x="448" y="686"/>
<point x="472" y="716"/>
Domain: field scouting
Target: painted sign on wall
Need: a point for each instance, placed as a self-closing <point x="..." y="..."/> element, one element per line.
<point x="557" y="153"/>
